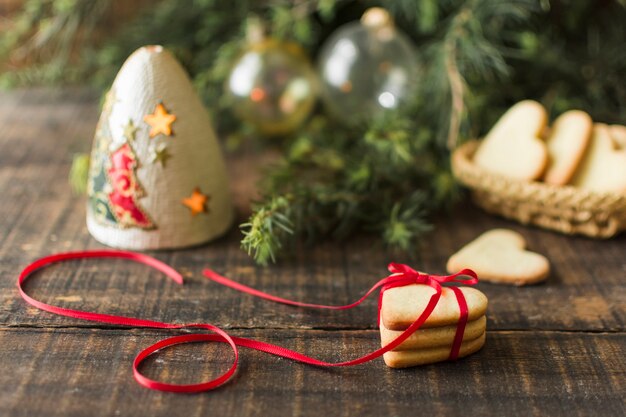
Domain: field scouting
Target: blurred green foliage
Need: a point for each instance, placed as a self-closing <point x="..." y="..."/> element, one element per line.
<point x="477" y="57"/>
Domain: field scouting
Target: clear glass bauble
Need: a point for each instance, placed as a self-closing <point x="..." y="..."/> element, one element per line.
<point x="273" y="87"/>
<point x="365" y="70"/>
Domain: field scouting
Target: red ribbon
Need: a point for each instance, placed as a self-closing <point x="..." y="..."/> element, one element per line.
<point x="401" y="275"/>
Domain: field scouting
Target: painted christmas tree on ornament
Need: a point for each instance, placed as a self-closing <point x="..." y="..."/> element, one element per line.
<point x="157" y="177"/>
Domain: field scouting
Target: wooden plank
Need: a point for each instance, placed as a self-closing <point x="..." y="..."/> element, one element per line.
<point x="563" y="303"/>
<point x="73" y="372"/>
<point x="38" y="131"/>
<point x="123" y="288"/>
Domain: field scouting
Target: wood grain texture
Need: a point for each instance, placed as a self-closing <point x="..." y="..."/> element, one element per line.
<point x="555" y="348"/>
<point x="75" y="372"/>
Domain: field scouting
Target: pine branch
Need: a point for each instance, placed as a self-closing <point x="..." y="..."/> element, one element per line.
<point x="267" y="230"/>
<point x="406" y="223"/>
<point x="79" y="173"/>
<point x="44" y="37"/>
<point x="467" y="50"/>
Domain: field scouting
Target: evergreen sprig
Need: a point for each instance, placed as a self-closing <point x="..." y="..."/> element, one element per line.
<point x="336" y="181"/>
<point x="43" y="38"/>
<point x="267" y="230"/>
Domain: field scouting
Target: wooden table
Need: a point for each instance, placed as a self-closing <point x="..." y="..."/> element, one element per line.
<point x="552" y="349"/>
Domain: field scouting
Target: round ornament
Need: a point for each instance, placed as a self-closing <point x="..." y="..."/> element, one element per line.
<point x="367" y="68"/>
<point x="272" y="86"/>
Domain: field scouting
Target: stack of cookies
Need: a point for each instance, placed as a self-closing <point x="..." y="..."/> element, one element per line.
<point x="432" y="342"/>
<point x="573" y="151"/>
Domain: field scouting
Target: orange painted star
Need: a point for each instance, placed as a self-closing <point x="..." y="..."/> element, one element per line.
<point x="196" y="202"/>
<point x="160" y="121"/>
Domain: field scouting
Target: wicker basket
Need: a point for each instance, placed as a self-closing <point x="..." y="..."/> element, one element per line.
<point x="565" y="209"/>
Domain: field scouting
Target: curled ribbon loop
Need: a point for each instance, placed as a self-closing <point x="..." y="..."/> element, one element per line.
<point x="401" y="275"/>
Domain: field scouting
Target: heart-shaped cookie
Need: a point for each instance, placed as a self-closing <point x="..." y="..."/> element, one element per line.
<point x="618" y="134"/>
<point x="407" y="358"/>
<point x="567" y="141"/>
<point x="401" y="306"/>
<point x="603" y="169"/>
<point x="432" y="337"/>
<point x="499" y="256"/>
<point x="514" y="147"/>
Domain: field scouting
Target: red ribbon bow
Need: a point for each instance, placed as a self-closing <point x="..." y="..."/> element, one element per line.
<point x="401" y="275"/>
<point x="404" y="272"/>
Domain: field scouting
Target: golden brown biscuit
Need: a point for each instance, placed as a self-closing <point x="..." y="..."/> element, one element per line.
<point x="566" y="143"/>
<point x="401" y="306"/>
<point x="433" y="337"/>
<point x="499" y="256"/>
<point x="618" y="134"/>
<point x="406" y="358"/>
<point x="603" y="169"/>
<point x="514" y="148"/>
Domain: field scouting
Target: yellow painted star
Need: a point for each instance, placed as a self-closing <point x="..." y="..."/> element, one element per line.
<point x="196" y="202"/>
<point x="160" y="121"/>
<point x="130" y="130"/>
<point x="160" y="154"/>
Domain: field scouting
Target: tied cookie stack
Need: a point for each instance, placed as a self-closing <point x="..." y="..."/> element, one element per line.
<point x="433" y="341"/>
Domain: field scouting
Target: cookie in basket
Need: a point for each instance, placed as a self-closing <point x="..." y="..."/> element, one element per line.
<point x="567" y="141"/>
<point x="603" y="168"/>
<point x="618" y="134"/>
<point x="514" y="148"/>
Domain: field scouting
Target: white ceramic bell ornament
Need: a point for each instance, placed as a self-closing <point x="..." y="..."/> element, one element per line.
<point x="157" y="177"/>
